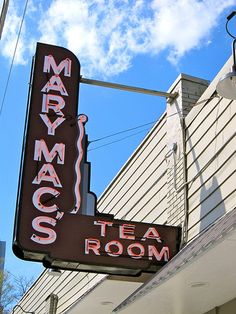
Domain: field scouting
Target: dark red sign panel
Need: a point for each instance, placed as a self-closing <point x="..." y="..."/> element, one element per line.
<point x="55" y="219"/>
<point x="109" y="245"/>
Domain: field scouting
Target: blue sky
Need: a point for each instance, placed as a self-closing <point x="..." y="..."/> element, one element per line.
<point x="145" y="43"/>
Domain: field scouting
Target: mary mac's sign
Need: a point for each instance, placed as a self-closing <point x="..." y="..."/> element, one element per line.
<point x="55" y="220"/>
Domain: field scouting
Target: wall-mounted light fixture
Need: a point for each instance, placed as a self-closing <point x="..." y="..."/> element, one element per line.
<point x="226" y="86"/>
<point x="54" y="272"/>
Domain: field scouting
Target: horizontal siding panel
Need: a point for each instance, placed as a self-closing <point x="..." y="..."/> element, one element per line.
<point x="36" y="293"/>
<point x="209" y="109"/>
<point x="212" y="107"/>
<point x="73" y="296"/>
<point x="39" y="292"/>
<point x="134" y="170"/>
<point x="69" y="287"/>
<point x="210" y="134"/>
<point x="217" y="196"/>
<point x="225" y="138"/>
<point x="158" y="213"/>
<point x="70" y="279"/>
<point x="75" y="285"/>
<point x="133" y="190"/>
<point x="212" y="193"/>
<point x="140" y="193"/>
<point x="222" y="166"/>
<point x="158" y="131"/>
<point x="176" y="219"/>
<point x="160" y="218"/>
<point x="201" y="226"/>
<point x="148" y="204"/>
<point x="207" y="133"/>
<point x="145" y="175"/>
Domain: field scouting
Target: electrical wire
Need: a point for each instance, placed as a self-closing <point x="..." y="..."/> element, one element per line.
<point x="140" y="126"/>
<point x="13" y="57"/>
<point x="123" y="131"/>
<point x="119" y="140"/>
<point x="226" y="25"/>
<point x="17" y="305"/>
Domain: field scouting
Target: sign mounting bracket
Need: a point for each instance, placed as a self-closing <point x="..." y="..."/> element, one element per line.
<point x="128" y="88"/>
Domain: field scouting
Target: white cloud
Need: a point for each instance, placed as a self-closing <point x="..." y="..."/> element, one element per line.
<point x="107" y="34"/>
<point x="9" y="36"/>
<point x="11" y="31"/>
<point x="185" y="24"/>
<point x="104" y="35"/>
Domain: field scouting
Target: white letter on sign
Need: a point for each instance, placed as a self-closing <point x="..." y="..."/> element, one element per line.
<point x="152" y="233"/>
<point x="92" y="244"/>
<point x="51" y="177"/>
<point x="53" y="102"/>
<point x="138" y="246"/>
<point x="164" y="254"/>
<point x="103" y="225"/>
<point x="126" y="231"/>
<point x="55" y="83"/>
<point x="51" y="125"/>
<point x="50" y="232"/>
<point x="114" y="243"/>
<point x="57" y="150"/>
<point x="50" y="62"/>
<point x="37" y="202"/>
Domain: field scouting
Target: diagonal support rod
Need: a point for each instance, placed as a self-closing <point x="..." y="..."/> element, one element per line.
<point x="128" y="88"/>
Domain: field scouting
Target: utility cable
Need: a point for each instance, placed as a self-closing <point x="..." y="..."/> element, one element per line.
<point x="13" y="57"/>
<point x="121" y="139"/>
<point x="140" y="126"/>
<point x="120" y="132"/>
<point x="226" y="26"/>
<point x="17" y="305"/>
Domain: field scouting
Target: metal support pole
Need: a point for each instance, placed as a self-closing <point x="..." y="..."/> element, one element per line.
<point x="128" y="88"/>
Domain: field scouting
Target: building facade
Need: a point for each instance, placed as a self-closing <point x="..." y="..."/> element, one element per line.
<point x="182" y="174"/>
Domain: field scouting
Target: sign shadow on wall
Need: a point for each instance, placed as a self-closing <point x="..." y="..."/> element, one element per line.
<point x="210" y="198"/>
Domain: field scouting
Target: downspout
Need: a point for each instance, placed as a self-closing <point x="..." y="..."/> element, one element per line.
<point x="189" y="89"/>
<point x="184" y="236"/>
<point x="184" y="186"/>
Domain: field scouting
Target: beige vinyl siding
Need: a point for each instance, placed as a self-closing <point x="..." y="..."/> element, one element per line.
<point x="69" y="287"/>
<point x="139" y="190"/>
<point x="210" y="152"/>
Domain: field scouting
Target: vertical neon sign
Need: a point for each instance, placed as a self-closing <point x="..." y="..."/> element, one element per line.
<point x="51" y="182"/>
<point x="56" y="219"/>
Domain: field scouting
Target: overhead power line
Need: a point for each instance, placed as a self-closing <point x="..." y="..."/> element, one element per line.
<point x="120" y="132"/>
<point x="119" y="140"/>
<point x="13" y="57"/>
